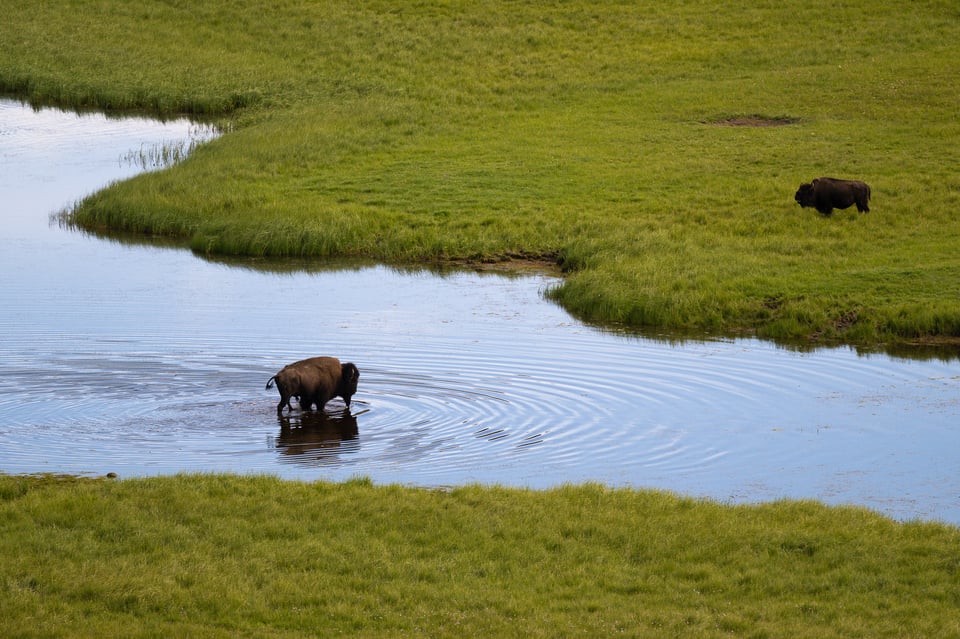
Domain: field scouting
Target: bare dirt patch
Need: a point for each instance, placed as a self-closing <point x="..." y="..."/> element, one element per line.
<point x="518" y="263"/>
<point x="754" y="121"/>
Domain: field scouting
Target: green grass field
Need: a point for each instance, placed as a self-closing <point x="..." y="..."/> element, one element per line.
<point x="587" y="133"/>
<point x="212" y="556"/>
<point x="595" y="135"/>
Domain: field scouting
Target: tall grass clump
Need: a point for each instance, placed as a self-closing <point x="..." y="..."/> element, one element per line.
<point x="657" y="146"/>
<point x="227" y="556"/>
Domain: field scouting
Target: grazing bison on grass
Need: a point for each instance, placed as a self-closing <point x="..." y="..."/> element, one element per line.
<point x="826" y="194"/>
<point x="315" y="381"/>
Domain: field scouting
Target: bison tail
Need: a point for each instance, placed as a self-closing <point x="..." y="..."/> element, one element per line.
<point x="270" y="382"/>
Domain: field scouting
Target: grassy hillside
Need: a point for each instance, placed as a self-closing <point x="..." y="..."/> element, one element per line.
<point x="213" y="556"/>
<point x="596" y="134"/>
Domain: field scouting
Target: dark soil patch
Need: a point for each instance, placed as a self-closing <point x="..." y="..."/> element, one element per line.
<point x="508" y="263"/>
<point x="755" y="121"/>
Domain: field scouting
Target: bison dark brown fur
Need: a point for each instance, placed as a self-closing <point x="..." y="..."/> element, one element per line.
<point x="315" y="381"/>
<point x="826" y="194"/>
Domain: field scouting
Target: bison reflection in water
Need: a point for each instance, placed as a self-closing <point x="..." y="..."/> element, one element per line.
<point x="316" y="437"/>
<point x="316" y="380"/>
<point x="826" y="194"/>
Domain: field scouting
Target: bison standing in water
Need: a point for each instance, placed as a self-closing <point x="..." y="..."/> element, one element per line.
<point x="315" y="381"/>
<point x="826" y="194"/>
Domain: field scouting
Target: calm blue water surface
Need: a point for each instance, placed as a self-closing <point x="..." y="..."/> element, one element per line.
<point x="144" y="360"/>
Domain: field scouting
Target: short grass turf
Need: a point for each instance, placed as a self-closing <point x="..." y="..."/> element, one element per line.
<point x="652" y="149"/>
<point x="226" y="556"/>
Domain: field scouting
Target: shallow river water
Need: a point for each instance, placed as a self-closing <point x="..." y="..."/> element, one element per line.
<point x="145" y="360"/>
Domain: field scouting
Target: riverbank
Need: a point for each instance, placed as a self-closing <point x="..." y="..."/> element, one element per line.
<point x="222" y="555"/>
<point x="624" y="140"/>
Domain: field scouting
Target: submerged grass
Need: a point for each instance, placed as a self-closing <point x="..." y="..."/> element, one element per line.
<point x="599" y="133"/>
<point x="227" y="556"/>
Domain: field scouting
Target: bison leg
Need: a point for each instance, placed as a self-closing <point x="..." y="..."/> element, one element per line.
<point x="284" y="401"/>
<point x="862" y="206"/>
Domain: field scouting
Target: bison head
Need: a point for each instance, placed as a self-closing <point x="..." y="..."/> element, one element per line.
<point x="804" y="196"/>
<point x="349" y="376"/>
